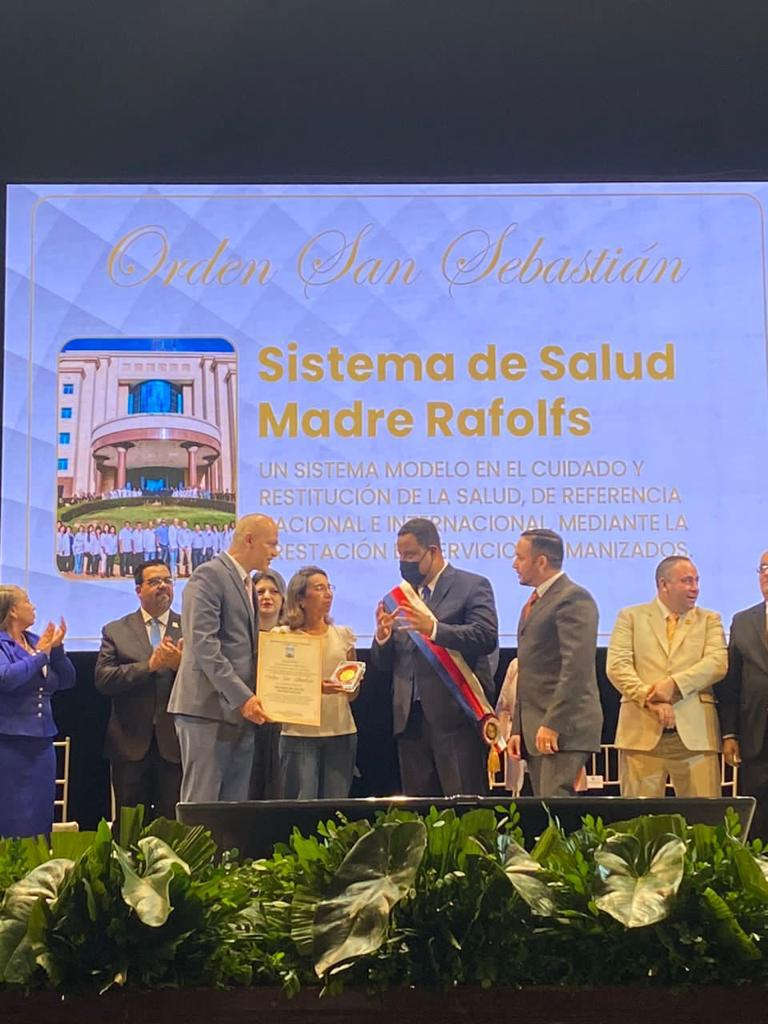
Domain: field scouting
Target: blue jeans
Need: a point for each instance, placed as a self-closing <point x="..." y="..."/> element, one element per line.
<point x="317" y="767"/>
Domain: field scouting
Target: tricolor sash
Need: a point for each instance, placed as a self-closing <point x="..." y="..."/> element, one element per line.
<point x="451" y="669"/>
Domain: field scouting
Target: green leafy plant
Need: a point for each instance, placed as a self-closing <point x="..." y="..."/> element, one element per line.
<point x="404" y="900"/>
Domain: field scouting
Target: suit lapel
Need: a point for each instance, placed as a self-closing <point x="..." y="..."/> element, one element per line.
<point x="658" y="625"/>
<point x="173" y="630"/>
<point x="442" y="588"/>
<point x="683" y="629"/>
<point x="229" y="566"/>
<point x="139" y="630"/>
<point x="757" y="617"/>
<point x="556" y="587"/>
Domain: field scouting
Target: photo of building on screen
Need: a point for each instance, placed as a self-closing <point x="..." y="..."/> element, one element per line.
<point x="146" y="451"/>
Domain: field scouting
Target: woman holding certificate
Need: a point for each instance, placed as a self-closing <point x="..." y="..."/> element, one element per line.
<point x="317" y="762"/>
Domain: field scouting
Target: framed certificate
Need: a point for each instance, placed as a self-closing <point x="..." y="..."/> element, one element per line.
<point x="289" y="677"/>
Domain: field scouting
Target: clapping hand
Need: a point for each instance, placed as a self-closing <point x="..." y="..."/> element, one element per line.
<point x="45" y="643"/>
<point x="59" y="633"/>
<point x="166" y="655"/>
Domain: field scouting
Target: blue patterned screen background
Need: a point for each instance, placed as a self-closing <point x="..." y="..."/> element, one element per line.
<point x="415" y="350"/>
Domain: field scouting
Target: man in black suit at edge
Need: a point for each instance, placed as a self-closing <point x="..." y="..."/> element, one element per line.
<point x="743" y="702"/>
<point x="136" y="667"/>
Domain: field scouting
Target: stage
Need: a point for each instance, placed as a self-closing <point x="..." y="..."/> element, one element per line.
<point x="253" y="827"/>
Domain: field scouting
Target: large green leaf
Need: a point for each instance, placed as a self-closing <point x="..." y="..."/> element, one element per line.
<point x="730" y="931"/>
<point x="17" y="954"/>
<point x="146" y="890"/>
<point x="650" y="828"/>
<point x="71" y="845"/>
<point x="130" y="825"/>
<point x="190" y="842"/>
<point x="378" y="871"/>
<point x="521" y="871"/>
<point x="550" y="844"/>
<point x="751" y="870"/>
<point x="634" y="894"/>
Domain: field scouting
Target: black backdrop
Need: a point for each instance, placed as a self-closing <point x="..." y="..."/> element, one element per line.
<point x="387" y="90"/>
<point x="382" y="89"/>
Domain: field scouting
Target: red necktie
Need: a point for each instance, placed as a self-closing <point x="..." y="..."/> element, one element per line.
<point x="529" y="604"/>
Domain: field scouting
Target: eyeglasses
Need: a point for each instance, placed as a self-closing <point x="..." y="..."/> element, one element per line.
<point x="762" y="569"/>
<point x="322" y="588"/>
<point x="157" y="581"/>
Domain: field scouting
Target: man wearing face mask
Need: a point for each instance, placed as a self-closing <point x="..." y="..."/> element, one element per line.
<point x="439" y="747"/>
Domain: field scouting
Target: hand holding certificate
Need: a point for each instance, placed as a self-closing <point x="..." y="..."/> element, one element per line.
<point x="289" y="676"/>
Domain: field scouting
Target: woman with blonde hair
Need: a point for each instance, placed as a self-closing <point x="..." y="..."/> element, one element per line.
<point x="317" y="762"/>
<point x="32" y="668"/>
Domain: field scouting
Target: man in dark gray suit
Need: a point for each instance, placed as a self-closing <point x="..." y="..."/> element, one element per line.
<point x="213" y="698"/>
<point x="136" y="666"/>
<point x="743" y="702"/>
<point x="558" y="715"/>
<point x="439" y="748"/>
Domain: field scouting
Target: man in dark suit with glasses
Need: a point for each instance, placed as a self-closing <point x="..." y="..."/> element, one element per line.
<point x="136" y="667"/>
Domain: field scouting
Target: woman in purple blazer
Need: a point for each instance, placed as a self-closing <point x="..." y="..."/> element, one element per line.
<point x="31" y="669"/>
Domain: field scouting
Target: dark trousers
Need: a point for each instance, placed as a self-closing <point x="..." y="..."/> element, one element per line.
<point x="555" y="774"/>
<point x="434" y="763"/>
<point x="266" y="781"/>
<point x="152" y="781"/>
<point x="753" y="781"/>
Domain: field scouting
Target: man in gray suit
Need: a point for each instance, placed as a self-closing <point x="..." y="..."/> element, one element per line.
<point x="558" y="716"/>
<point x="743" y="702"/>
<point x="439" y="748"/>
<point x="213" y="698"/>
<point x="136" y="666"/>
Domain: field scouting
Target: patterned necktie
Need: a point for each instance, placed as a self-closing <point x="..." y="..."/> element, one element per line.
<point x="155" y="637"/>
<point x="426" y="593"/>
<point x="672" y="620"/>
<point x="529" y="605"/>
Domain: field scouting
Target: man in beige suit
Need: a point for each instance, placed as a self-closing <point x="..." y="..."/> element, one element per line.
<point x="665" y="657"/>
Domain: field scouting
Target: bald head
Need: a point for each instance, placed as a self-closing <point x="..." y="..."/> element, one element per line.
<point x="255" y="542"/>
